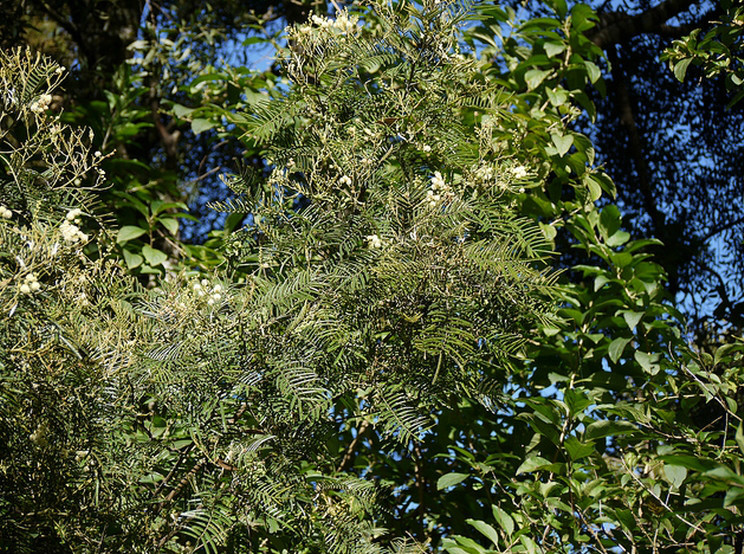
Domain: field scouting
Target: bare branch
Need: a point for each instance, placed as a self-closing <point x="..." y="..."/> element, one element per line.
<point x="617" y="28"/>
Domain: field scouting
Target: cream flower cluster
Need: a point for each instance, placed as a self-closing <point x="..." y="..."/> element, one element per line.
<point x="374" y="241"/>
<point x="69" y="227"/>
<point x="5" y="213"/>
<point x="345" y="180"/>
<point x="519" y="172"/>
<point x="41" y="103"/>
<point x="30" y="284"/>
<point x="342" y="23"/>
<point x="438" y="189"/>
<point x="201" y="288"/>
<point x="484" y="173"/>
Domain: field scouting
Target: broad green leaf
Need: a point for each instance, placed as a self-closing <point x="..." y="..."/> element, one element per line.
<point x="154" y="256"/>
<point x="533" y="463"/>
<point x="171" y="224"/>
<point x="680" y="68"/>
<point x="158" y="206"/>
<point x="534" y="77"/>
<point x="207" y="77"/>
<point x="592" y="71"/>
<point x="616" y="348"/>
<point x="675" y="475"/>
<point x="577" y="449"/>
<point x="631" y="318"/>
<point x="463" y="545"/>
<point x="255" y="40"/>
<point x="609" y="220"/>
<point x="618" y="238"/>
<point x="595" y="188"/>
<point x="577" y="400"/>
<point x="732" y="496"/>
<point x="557" y="96"/>
<point x="600" y="281"/>
<point x="503" y="519"/>
<point x="485" y="529"/>
<point x="200" y="125"/>
<point x="552" y="49"/>
<point x="129" y="232"/>
<point x="562" y="143"/>
<point x="181" y="111"/>
<point x="647" y="361"/>
<point x="583" y="17"/>
<point x="529" y="544"/>
<point x="607" y="428"/>
<point x="132" y="260"/>
<point x="450" y="479"/>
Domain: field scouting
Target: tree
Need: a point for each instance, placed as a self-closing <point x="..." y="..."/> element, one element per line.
<point x="376" y="195"/>
<point x="384" y="352"/>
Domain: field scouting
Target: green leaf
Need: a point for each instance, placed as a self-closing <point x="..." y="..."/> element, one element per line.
<point x="533" y="463"/>
<point x="618" y="238"/>
<point x="690" y="462"/>
<point x="600" y="281"/>
<point x="485" y="529"/>
<point x="607" y="428"/>
<point x="609" y="220"/>
<point x="199" y="125"/>
<point x="680" y="69"/>
<point x="129" y="232"/>
<point x="675" y="475"/>
<point x="504" y="520"/>
<point x="647" y="361"/>
<point x="255" y="40"/>
<point x="732" y="495"/>
<point x="171" y="224"/>
<point x="181" y="111"/>
<point x="631" y="318"/>
<point x="577" y="449"/>
<point x="132" y="260"/>
<point x="554" y="48"/>
<point x="616" y="348"/>
<point x="562" y="143"/>
<point x="529" y="544"/>
<point x="592" y="71"/>
<point x="595" y="188"/>
<point x="534" y="77"/>
<point x="154" y="256"/>
<point x="557" y="96"/>
<point x="450" y="479"/>
<point x="739" y="437"/>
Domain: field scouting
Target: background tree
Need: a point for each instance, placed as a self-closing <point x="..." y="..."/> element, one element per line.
<point x="601" y="430"/>
<point x="646" y="124"/>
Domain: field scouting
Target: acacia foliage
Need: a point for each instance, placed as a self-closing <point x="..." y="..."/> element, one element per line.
<point x="379" y="358"/>
<point x="385" y="272"/>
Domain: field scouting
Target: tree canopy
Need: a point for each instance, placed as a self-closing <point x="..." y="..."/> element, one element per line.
<point x="435" y="277"/>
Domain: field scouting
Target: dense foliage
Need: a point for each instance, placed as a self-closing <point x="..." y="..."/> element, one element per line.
<point x="376" y="353"/>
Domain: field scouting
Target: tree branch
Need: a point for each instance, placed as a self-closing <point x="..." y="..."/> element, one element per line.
<point x="352" y="446"/>
<point x="617" y="28"/>
<point x="625" y="110"/>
